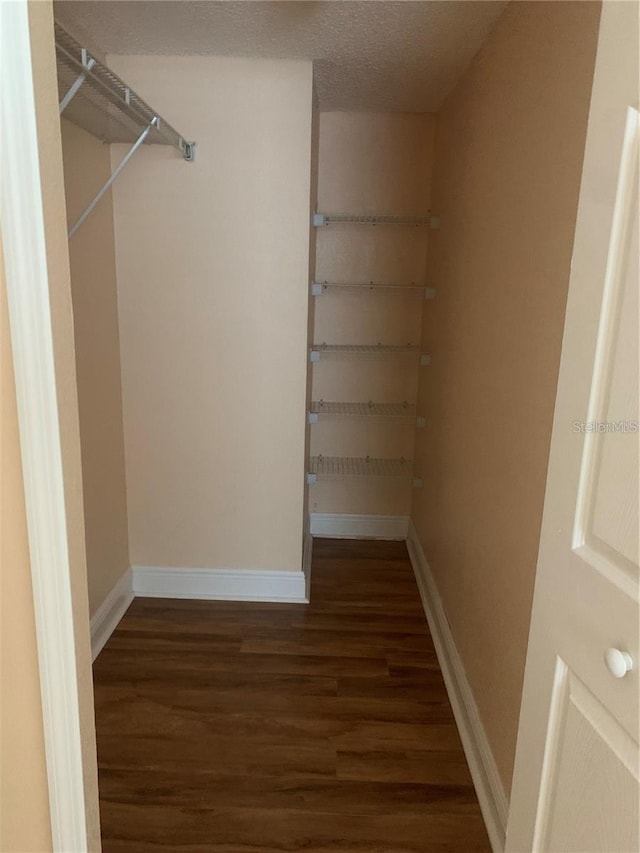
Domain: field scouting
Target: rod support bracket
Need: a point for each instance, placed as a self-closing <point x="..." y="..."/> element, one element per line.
<point x="189" y="151"/>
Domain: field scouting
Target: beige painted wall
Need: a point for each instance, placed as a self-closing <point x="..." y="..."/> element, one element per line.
<point x="212" y="264"/>
<point x="369" y="163"/>
<point x="87" y="165"/>
<point x="508" y="160"/>
<point x="24" y="795"/>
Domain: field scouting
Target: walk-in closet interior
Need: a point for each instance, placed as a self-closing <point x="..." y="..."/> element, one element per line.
<point x="255" y="412"/>
<point x="319" y="263"/>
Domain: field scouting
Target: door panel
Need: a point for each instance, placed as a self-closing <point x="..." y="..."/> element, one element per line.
<point x="575" y="784"/>
<point x="588" y="753"/>
<point x="607" y="502"/>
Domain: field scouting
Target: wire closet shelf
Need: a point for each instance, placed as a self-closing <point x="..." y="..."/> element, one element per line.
<point x="337" y="467"/>
<point x="385" y="411"/>
<point x="374" y="351"/>
<point x="318" y="288"/>
<point x="360" y="467"/>
<point x="366" y="349"/>
<point x="321" y="219"/>
<point x="100" y="102"/>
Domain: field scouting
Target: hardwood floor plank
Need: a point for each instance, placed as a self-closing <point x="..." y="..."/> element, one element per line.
<point x="255" y="829"/>
<point x="317" y="795"/>
<point x="340" y="708"/>
<point x="432" y="767"/>
<point x="365" y="622"/>
<point x="426" y="685"/>
<point x="250" y="757"/>
<point x="333" y="643"/>
<point x="237" y="727"/>
<point x="179" y="672"/>
<point x="227" y="661"/>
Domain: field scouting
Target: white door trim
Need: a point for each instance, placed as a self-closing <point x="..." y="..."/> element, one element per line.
<point x="23" y="238"/>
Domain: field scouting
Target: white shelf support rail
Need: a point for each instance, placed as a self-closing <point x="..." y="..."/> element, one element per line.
<point x="153" y="123"/>
<point x="87" y="62"/>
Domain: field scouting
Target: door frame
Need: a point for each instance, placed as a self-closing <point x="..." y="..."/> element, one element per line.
<point x="27" y="282"/>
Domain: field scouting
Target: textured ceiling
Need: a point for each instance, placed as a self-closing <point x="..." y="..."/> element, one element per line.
<point x="368" y="55"/>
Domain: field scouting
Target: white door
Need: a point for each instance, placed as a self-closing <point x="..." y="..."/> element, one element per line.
<point x="576" y="774"/>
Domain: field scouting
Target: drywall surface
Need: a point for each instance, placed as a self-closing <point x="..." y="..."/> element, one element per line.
<point x="87" y="165"/>
<point x="509" y="150"/>
<point x="212" y="266"/>
<point x="24" y="794"/>
<point x="52" y="185"/>
<point x="370" y="163"/>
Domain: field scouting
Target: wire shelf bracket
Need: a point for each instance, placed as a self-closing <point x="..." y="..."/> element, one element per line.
<point x="87" y="63"/>
<point x="114" y="175"/>
<point x="108" y="108"/>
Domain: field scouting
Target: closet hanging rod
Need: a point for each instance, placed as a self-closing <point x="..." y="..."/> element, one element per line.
<point x="110" y="95"/>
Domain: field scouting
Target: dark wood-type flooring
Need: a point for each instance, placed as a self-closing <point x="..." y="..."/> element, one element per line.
<point x="325" y="728"/>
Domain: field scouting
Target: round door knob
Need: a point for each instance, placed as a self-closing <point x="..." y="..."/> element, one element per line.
<point x="618" y="663"/>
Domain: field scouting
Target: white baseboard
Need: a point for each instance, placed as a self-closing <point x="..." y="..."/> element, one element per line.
<point x="231" y="585"/>
<point x="225" y="584"/>
<point x="307" y="556"/>
<point x="342" y="526"/>
<point x="105" y="620"/>
<point x="484" y="772"/>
